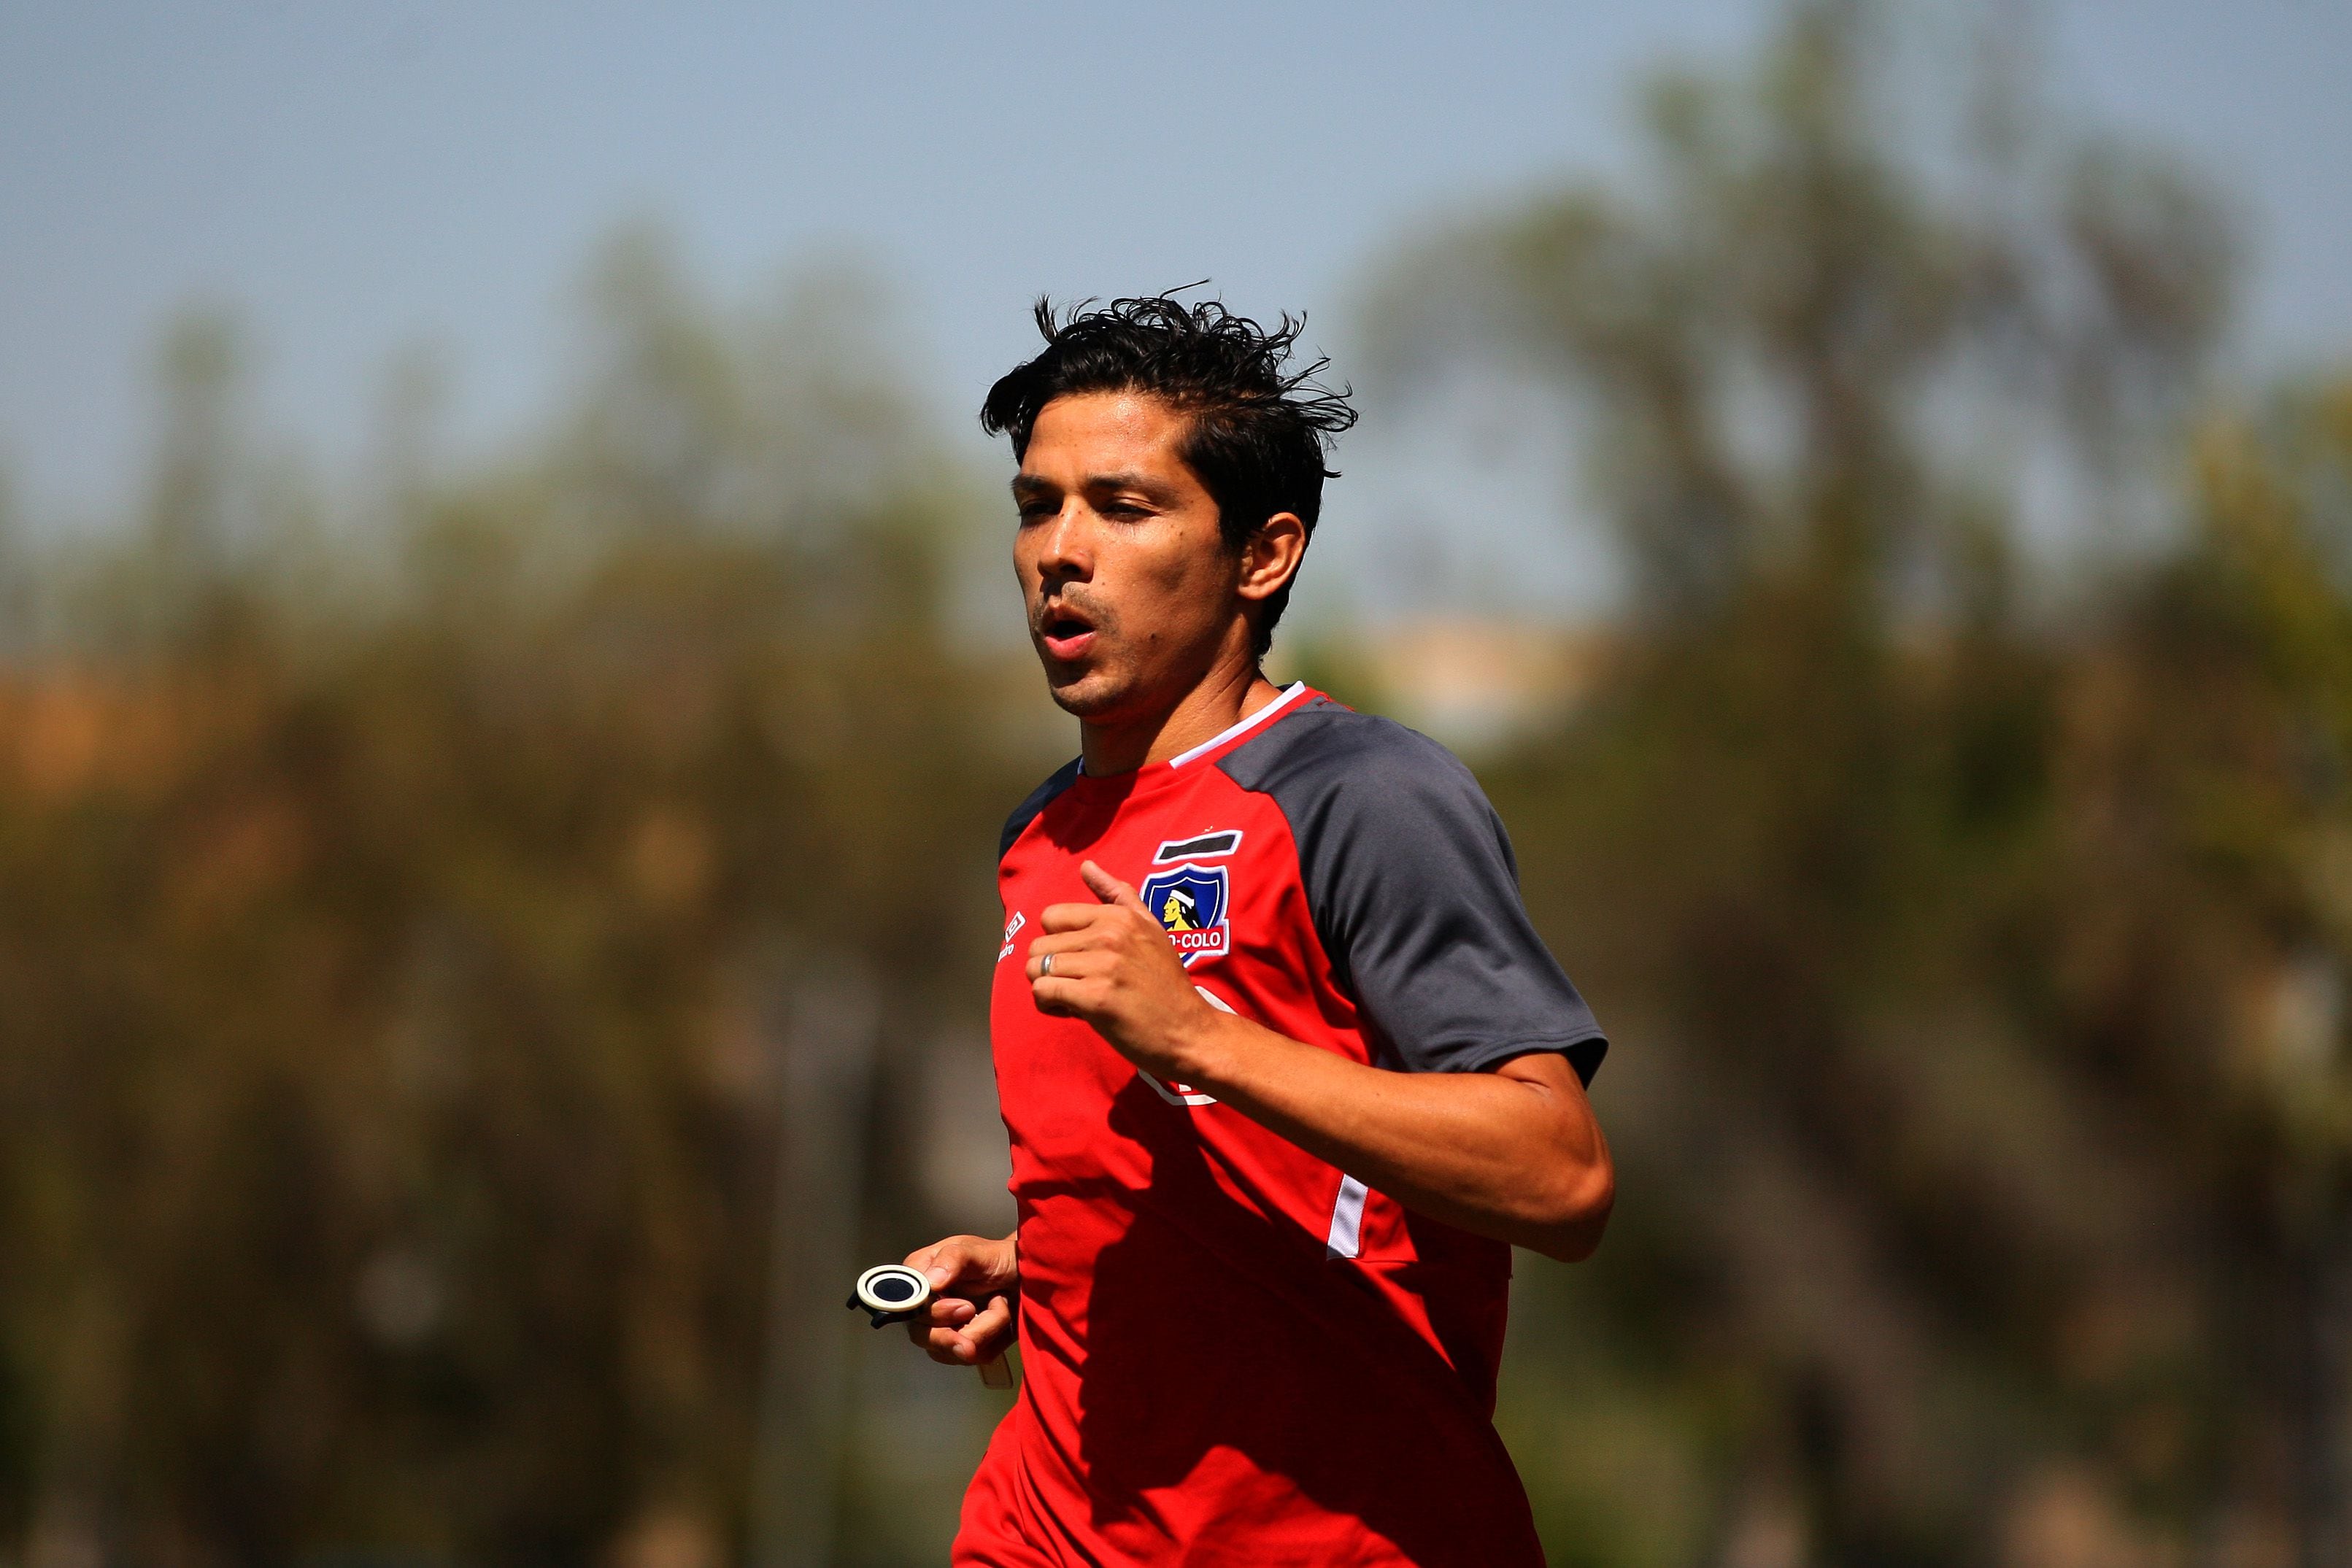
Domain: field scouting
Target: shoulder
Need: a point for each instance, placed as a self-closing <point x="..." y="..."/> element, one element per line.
<point x="1326" y="758"/>
<point x="1409" y="882"/>
<point x="1038" y="799"/>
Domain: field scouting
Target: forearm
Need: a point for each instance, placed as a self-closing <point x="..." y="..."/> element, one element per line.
<point x="1515" y="1154"/>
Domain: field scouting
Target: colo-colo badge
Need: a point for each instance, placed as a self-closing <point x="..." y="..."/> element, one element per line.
<point x="1190" y="901"/>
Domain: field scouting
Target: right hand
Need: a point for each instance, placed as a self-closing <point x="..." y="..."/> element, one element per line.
<point x="974" y="1284"/>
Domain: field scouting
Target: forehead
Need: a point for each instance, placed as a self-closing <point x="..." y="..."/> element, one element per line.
<point x="1106" y="432"/>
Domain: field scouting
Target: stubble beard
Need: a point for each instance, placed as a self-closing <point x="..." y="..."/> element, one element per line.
<point x="1091" y="694"/>
<point x="1095" y="689"/>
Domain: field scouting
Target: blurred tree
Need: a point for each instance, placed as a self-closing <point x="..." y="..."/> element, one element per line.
<point x="408" y="941"/>
<point x="188" y="511"/>
<point x="1889" y="856"/>
<point x="388" y="1093"/>
<point x="2235" y="661"/>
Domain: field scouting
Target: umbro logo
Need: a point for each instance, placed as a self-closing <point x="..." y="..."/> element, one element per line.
<point x="1012" y="928"/>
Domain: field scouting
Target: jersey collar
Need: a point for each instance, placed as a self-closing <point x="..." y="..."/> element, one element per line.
<point x="1290" y="693"/>
<point x="1289" y="698"/>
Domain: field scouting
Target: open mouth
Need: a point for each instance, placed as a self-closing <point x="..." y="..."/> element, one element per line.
<point x="1066" y="635"/>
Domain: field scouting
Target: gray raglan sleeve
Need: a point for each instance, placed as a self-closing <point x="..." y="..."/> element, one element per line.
<point x="1416" y="895"/>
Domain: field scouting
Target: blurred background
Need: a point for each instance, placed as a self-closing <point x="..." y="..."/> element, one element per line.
<point x="509" y="679"/>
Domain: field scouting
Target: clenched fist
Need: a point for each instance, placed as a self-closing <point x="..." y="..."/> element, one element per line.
<point x="1113" y="966"/>
<point x="975" y="1282"/>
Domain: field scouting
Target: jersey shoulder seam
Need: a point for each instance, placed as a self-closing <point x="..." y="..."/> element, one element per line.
<point x="1325" y="738"/>
<point x="1034" y="805"/>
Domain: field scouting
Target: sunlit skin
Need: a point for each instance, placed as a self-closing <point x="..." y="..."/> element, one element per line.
<point x="1142" y="620"/>
<point x="1138" y="613"/>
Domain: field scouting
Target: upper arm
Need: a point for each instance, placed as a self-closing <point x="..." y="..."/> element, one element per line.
<point x="1550" y="1071"/>
<point x="1414" y="893"/>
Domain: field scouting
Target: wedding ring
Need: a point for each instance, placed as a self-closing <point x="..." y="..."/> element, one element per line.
<point x="1044" y="965"/>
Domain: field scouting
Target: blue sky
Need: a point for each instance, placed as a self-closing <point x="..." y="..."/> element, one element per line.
<point x="360" y="176"/>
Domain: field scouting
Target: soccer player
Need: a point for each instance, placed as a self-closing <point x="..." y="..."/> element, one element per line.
<point x="1286" y="1068"/>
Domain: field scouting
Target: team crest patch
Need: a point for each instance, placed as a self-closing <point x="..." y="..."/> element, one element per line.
<point x="1190" y="901"/>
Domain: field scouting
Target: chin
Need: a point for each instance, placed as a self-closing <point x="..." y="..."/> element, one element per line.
<point x="1085" y="697"/>
<point x="1090" y="694"/>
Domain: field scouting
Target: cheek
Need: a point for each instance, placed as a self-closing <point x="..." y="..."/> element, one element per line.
<point x="1187" y="587"/>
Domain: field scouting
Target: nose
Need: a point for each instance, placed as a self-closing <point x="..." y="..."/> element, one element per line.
<point x="1064" y="552"/>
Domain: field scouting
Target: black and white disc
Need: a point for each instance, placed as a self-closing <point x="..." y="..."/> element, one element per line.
<point x="892" y="1291"/>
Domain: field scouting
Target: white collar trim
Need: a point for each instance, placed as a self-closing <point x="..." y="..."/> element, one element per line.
<point x="1290" y="693"/>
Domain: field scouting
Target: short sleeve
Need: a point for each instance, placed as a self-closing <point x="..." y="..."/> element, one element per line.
<point x="1415" y="896"/>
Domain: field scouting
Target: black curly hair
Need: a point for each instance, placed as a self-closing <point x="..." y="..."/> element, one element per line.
<point x="1259" y="430"/>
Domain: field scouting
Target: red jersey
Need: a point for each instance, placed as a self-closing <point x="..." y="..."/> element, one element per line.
<point x="1233" y="1352"/>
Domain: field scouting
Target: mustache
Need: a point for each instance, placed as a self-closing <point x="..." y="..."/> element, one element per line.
<point x="1074" y="600"/>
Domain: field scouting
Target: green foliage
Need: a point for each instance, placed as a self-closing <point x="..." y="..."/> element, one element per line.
<point x="387" y="1104"/>
<point x="1955" y="915"/>
<point x="407" y="915"/>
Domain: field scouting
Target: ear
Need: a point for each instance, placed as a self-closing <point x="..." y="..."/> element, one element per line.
<point x="1271" y="557"/>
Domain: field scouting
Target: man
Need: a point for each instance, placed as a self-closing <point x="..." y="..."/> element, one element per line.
<point x="1285" y="1066"/>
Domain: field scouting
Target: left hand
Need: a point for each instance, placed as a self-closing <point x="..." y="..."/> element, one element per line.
<point x="1114" y="968"/>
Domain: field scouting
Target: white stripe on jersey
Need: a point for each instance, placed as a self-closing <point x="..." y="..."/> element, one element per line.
<point x="1295" y="689"/>
<point x="1347" y="1220"/>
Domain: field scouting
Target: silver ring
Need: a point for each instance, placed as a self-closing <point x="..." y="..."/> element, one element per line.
<point x="1044" y="965"/>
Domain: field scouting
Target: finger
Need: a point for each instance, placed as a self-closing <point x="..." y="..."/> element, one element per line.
<point x="1057" y="996"/>
<point x="1068" y="916"/>
<point x="986" y="1334"/>
<point x="1070" y="941"/>
<point x="977" y="1339"/>
<point x="941" y="1263"/>
<point x="945" y="1345"/>
<point x="960" y="1260"/>
<point x="950" y="1311"/>
<point x="1109" y="889"/>
<point x="944" y="1315"/>
<point x="1069" y="963"/>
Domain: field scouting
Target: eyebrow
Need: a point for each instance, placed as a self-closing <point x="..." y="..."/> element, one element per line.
<point x="1127" y="481"/>
<point x="1025" y="486"/>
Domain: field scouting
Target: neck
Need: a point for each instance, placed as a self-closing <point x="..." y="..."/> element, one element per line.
<point x="1229" y="693"/>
